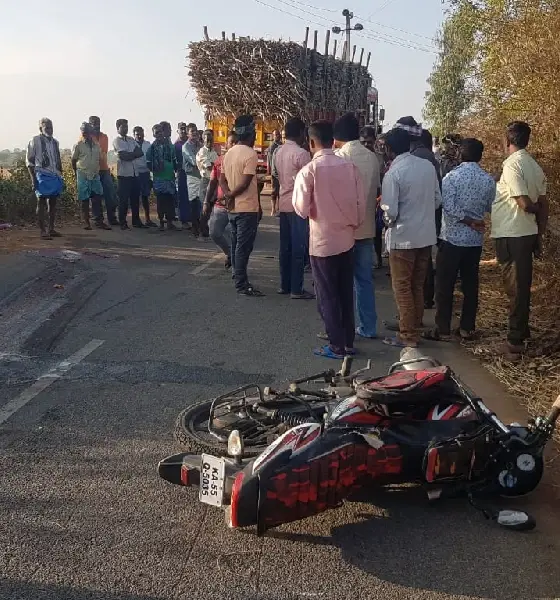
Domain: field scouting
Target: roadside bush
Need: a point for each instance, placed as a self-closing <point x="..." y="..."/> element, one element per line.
<point x="18" y="202"/>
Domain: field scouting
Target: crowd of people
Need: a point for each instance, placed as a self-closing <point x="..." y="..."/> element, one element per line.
<point x="340" y="194"/>
<point x="177" y="172"/>
<point x="420" y="197"/>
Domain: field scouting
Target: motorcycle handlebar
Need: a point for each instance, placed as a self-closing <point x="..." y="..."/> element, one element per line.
<point x="321" y="375"/>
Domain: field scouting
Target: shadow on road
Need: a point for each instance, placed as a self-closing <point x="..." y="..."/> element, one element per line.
<point x="448" y="548"/>
<point x="23" y="590"/>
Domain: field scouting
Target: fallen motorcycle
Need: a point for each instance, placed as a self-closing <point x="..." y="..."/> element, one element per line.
<point x="314" y="447"/>
<point x="261" y="414"/>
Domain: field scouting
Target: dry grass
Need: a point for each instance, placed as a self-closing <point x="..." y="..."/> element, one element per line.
<point x="536" y="377"/>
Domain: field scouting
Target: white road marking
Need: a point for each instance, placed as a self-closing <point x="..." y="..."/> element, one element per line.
<point x="205" y="265"/>
<point x="46" y="380"/>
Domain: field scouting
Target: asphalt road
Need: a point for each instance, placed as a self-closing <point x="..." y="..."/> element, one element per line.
<point x="130" y="330"/>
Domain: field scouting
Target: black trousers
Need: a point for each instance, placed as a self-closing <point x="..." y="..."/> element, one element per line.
<point x="243" y="233"/>
<point x="334" y="288"/>
<point x="128" y="189"/>
<point x="430" y="283"/>
<point x="515" y="257"/>
<point x="451" y="261"/>
<point x="378" y="244"/>
<point x="165" y="207"/>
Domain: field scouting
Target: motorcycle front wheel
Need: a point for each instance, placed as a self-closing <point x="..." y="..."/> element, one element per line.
<point x="191" y="431"/>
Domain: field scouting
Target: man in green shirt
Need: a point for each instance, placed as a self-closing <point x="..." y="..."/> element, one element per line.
<point x="162" y="162"/>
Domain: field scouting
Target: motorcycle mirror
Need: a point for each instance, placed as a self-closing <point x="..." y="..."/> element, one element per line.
<point x="515" y="519"/>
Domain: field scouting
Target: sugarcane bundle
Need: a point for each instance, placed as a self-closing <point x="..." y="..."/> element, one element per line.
<point x="273" y="79"/>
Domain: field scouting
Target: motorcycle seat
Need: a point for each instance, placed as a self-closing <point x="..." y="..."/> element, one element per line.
<point x="407" y="387"/>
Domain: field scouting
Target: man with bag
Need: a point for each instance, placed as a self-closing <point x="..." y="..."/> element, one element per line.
<point x="45" y="169"/>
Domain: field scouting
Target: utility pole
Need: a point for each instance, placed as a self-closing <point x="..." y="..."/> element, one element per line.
<point x="347" y="29"/>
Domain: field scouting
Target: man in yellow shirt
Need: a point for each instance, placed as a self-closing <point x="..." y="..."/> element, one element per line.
<point x="519" y="219"/>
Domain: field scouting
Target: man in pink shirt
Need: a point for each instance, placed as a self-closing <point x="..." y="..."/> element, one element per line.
<point x="288" y="160"/>
<point x="329" y="190"/>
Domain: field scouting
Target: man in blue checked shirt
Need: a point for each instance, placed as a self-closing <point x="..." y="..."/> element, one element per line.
<point x="467" y="195"/>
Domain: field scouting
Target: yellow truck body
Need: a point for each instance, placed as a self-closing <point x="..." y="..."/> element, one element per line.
<point x="221" y="128"/>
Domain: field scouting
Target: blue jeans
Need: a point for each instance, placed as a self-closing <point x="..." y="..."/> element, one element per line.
<point x="366" y="315"/>
<point x="307" y="260"/>
<point x="183" y="205"/>
<point x="109" y="196"/>
<point x="219" y="233"/>
<point x="243" y="234"/>
<point x="293" y="246"/>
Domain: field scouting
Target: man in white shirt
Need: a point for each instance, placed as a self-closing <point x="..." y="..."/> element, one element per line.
<point x="128" y="189"/>
<point x="190" y="150"/>
<point x="205" y="159"/>
<point x="519" y="220"/>
<point x="409" y="198"/>
<point x="45" y="169"/>
<point x="144" y="176"/>
<point x="347" y="141"/>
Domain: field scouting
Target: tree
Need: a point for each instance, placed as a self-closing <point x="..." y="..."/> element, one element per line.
<point x="452" y="79"/>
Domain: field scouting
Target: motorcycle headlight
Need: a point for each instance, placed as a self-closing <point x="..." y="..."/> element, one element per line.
<point x="235" y="444"/>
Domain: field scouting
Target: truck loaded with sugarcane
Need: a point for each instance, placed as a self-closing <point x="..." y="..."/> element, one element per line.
<point x="276" y="80"/>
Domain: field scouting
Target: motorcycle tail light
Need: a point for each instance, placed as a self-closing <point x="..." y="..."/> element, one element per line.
<point x="235" y="492"/>
<point x="185" y="475"/>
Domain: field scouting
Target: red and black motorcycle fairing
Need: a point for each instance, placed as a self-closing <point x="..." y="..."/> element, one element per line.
<point x="314" y="467"/>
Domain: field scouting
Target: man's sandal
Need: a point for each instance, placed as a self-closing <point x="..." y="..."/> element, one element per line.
<point x="327" y="352"/>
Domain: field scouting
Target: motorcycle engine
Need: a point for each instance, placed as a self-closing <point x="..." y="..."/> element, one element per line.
<point x="520" y="469"/>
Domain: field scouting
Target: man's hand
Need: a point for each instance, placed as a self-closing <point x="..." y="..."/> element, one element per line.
<point x="538" y="250"/>
<point x="479" y="226"/>
<point x="33" y="185"/>
<point x="260" y="213"/>
<point x="229" y="201"/>
<point x="206" y="209"/>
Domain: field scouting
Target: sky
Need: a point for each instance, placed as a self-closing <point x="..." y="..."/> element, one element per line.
<point x="127" y="58"/>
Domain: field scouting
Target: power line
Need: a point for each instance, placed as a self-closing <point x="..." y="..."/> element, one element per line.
<point x="333" y="10"/>
<point x="305" y="19"/>
<point x="379" y="37"/>
<point x="295" y="4"/>
<point x="420" y="35"/>
<point x="382" y="7"/>
<point x="397" y="42"/>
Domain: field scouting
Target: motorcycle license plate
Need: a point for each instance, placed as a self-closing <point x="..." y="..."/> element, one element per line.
<point x="212" y="475"/>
